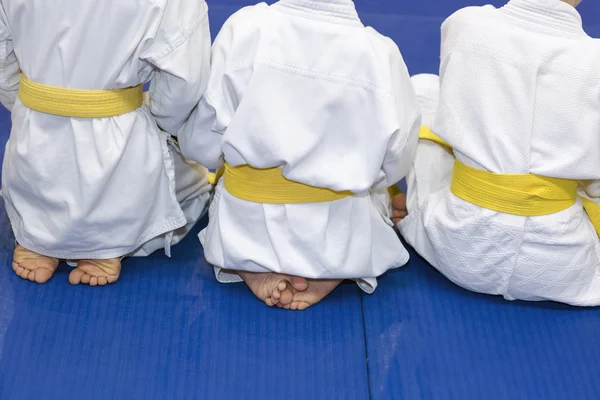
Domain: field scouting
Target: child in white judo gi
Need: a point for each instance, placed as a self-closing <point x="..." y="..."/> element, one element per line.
<point x="516" y="213"/>
<point x="88" y="176"/>
<point x="313" y="116"/>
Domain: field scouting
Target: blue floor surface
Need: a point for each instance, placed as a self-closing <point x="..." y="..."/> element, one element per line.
<point x="167" y="330"/>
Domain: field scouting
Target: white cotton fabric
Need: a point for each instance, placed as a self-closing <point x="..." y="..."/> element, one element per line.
<point x="432" y="165"/>
<point x="519" y="93"/>
<point x="103" y="188"/>
<point x="302" y="85"/>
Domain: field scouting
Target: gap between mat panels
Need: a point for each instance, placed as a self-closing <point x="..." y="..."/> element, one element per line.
<point x="364" y="326"/>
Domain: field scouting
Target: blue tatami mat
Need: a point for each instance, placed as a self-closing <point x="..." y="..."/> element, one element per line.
<point x="428" y="339"/>
<point x="168" y="330"/>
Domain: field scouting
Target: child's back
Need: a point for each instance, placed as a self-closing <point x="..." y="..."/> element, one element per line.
<point x="304" y="87"/>
<point x="522" y="91"/>
<point x="520" y="94"/>
<point x="98" y="187"/>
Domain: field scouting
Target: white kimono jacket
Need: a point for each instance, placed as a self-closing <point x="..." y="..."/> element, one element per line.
<point x="102" y="188"/>
<point x="304" y="86"/>
<point x="520" y="93"/>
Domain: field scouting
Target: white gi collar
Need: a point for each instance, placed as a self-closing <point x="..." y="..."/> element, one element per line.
<point x="341" y="10"/>
<point x="551" y="13"/>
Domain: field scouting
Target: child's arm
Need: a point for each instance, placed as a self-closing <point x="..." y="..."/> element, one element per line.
<point x="9" y="67"/>
<point x="200" y="137"/>
<point x="180" y="55"/>
<point x="592" y="190"/>
<point x="403" y="144"/>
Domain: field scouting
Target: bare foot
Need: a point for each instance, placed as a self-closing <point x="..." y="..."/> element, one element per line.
<point x="269" y="287"/>
<point x="294" y="284"/>
<point x="33" y="266"/>
<point x="96" y="272"/>
<point x="298" y="283"/>
<point x="317" y="290"/>
<point x="399" y="211"/>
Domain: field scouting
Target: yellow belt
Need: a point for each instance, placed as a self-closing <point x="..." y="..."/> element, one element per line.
<point x="213" y="179"/>
<point x="426" y="134"/>
<point x="593" y="212"/>
<point x="269" y="186"/>
<point x="518" y="194"/>
<point x="523" y="194"/>
<point x="79" y="103"/>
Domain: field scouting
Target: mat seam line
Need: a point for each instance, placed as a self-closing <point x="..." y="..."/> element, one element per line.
<point x="364" y="326"/>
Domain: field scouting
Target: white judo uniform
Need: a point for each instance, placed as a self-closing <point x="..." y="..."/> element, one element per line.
<point x="105" y="187"/>
<point x="519" y="94"/>
<point x="302" y="85"/>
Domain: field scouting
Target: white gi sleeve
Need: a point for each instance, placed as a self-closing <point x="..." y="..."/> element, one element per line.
<point x="180" y="55"/>
<point x="200" y="138"/>
<point x="9" y="67"/>
<point x="591" y="190"/>
<point x="403" y="143"/>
